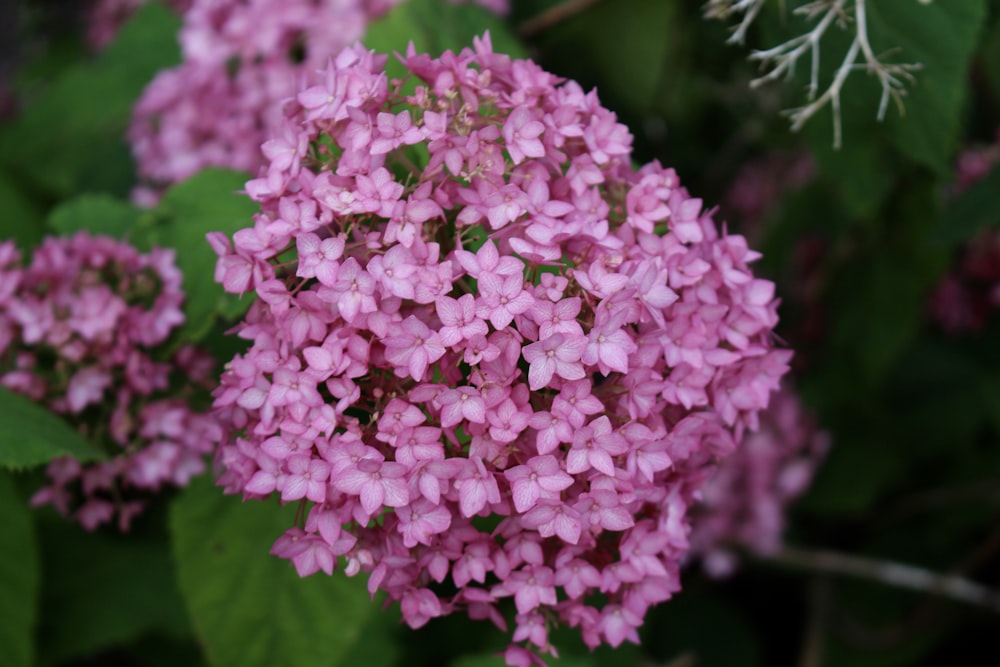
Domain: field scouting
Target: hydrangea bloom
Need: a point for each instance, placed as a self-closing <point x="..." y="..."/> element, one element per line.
<point x="743" y="505"/>
<point x="490" y="358"/>
<point x="241" y="60"/>
<point x="82" y="330"/>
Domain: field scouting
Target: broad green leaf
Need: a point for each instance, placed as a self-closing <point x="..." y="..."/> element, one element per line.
<point x="206" y="202"/>
<point x="879" y="309"/>
<point x="103" y="589"/>
<point x="18" y="578"/>
<point x="249" y="607"/>
<point x="32" y="434"/>
<point x="989" y="57"/>
<point x="434" y="27"/>
<point x="71" y="136"/>
<point x="861" y="172"/>
<point x="20" y="217"/>
<point x="95" y="213"/>
<point x="624" y="44"/>
<point x="941" y="36"/>
<point x="974" y="210"/>
<point x="378" y="644"/>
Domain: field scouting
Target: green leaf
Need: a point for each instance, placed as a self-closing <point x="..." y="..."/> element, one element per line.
<point x="879" y="311"/>
<point x="71" y="137"/>
<point x="434" y="27"/>
<point x="989" y="56"/>
<point x="249" y="607"/>
<point x="21" y="219"/>
<point x="32" y="434"/>
<point x="206" y="202"/>
<point x="18" y="578"/>
<point x="941" y="36"/>
<point x="860" y="173"/>
<point x="976" y="209"/>
<point x="378" y="645"/>
<point x="103" y="589"/>
<point x="622" y="44"/>
<point x="98" y="214"/>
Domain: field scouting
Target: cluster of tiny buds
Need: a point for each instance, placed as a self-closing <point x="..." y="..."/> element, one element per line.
<point x="489" y="358"/>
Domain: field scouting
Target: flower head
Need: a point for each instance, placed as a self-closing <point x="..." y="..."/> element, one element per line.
<point x="515" y="315"/>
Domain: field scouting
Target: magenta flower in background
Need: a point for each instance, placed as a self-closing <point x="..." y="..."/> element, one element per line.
<point x="82" y="332"/>
<point x="501" y="329"/>
<point x="967" y="295"/>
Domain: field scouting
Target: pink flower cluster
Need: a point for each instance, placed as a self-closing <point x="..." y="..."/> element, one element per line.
<point x="744" y="504"/>
<point x="241" y="61"/>
<point x="489" y="358"/>
<point x="82" y="329"/>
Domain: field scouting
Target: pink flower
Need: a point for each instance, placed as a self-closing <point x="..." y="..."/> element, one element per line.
<point x="413" y="348"/>
<point x="306" y="479"/>
<point x="521" y="132"/>
<point x="375" y="483"/>
<point x="502" y="298"/>
<point x="539" y="477"/>
<point x="476" y="488"/>
<point x="421" y="520"/>
<point x="459" y="319"/>
<point x="394" y="130"/>
<point x="609" y="346"/>
<point x="595" y="446"/>
<point x="556" y="355"/>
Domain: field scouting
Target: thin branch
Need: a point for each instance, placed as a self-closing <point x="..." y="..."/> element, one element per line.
<point x="786" y="55"/>
<point x="723" y="9"/>
<point x="800" y="115"/>
<point x="891" y="573"/>
<point x="889" y="75"/>
<point x="553" y="16"/>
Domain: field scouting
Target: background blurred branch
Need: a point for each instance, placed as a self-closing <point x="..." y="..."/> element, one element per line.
<point x="890" y="573"/>
<point x="553" y="16"/>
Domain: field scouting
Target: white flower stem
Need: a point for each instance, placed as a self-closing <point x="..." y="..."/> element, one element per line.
<point x="780" y="61"/>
